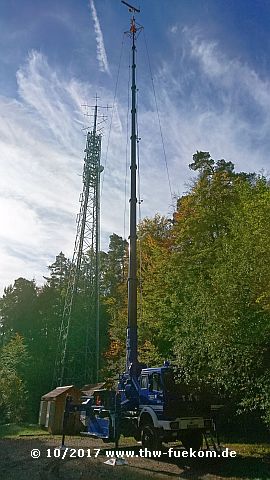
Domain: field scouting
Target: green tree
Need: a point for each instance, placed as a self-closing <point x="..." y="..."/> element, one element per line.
<point x="114" y="265"/>
<point x="114" y="271"/>
<point x="18" y="309"/>
<point x="221" y="282"/>
<point x="154" y="247"/>
<point x="13" y="393"/>
<point x="59" y="270"/>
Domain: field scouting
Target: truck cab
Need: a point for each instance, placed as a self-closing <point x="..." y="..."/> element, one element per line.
<point x="169" y="411"/>
<point x="153" y="408"/>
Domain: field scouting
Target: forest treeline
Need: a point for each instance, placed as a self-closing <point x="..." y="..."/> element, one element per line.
<point x="203" y="290"/>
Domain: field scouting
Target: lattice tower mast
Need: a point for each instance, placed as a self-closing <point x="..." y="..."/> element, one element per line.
<point x="78" y="353"/>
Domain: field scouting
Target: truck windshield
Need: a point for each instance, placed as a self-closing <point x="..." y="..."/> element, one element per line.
<point x="168" y="380"/>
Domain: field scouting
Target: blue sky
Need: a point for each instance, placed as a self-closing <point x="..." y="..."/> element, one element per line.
<point x="210" y="64"/>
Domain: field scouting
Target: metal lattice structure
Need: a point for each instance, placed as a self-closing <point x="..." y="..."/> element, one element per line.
<point x="77" y="360"/>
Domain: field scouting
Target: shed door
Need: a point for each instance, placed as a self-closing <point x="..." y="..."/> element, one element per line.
<point x="42" y="413"/>
<point x="50" y="413"/>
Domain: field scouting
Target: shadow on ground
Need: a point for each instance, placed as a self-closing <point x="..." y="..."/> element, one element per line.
<point x="16" y="463"/>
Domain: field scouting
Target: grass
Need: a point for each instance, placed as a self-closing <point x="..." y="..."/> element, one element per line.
<point x="250" y="449"/>
<point x="11" y="430"/>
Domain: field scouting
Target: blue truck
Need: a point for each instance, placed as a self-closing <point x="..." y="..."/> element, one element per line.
<point x="151" y="407"/>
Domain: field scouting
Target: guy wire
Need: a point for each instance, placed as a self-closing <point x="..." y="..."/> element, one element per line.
<point x="160" y="129"/>
<point x="140" y="216"/>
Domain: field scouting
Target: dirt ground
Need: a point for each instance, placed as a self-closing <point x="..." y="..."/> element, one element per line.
<point x="16" y="463"/>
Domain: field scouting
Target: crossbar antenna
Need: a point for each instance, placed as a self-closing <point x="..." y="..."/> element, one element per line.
<point x="130" y="7"/>
<point x="95" y="108"/>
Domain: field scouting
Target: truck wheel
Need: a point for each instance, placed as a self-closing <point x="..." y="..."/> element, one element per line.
<point x="150" y="438"/>
<point x="192" y="440"/>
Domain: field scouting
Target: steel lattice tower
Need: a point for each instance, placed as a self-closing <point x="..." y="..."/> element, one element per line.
<point x="77" y="360"/>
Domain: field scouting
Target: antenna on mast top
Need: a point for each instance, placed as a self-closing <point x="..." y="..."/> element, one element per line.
<point x="130" y="7"/>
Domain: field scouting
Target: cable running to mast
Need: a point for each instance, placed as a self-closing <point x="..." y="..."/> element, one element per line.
<point x="159" y="122"/>
<point x="140" y="215"/>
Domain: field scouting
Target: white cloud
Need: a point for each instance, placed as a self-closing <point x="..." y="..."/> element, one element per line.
<point x="41" y="147"/>
<point x="40" y="153"/>
<point x="41" y="160"/>
<point x="48" y="98"/>
<point x="174" y="29"/>
<point x="230" y="73"/>
<point x="211" y="102"/>
<point x="101" y="52"/>
<point x="15" y="215"/>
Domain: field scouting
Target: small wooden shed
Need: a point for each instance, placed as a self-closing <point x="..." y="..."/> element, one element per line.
<point x="52" y="407"/>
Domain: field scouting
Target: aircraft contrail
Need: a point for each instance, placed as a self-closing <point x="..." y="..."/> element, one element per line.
<point x="101" y="52"/>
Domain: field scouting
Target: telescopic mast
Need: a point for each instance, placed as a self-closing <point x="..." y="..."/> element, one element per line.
<point x="131" y="338"/>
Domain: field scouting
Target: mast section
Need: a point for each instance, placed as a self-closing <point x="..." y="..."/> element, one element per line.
<point x="131" y="338"/>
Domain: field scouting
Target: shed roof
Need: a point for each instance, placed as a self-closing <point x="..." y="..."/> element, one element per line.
<point x="56" y="392"/>
<point x="89" y="389"/>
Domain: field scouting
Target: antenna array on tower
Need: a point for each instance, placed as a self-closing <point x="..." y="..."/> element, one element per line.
<point x="78" y="354"/>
